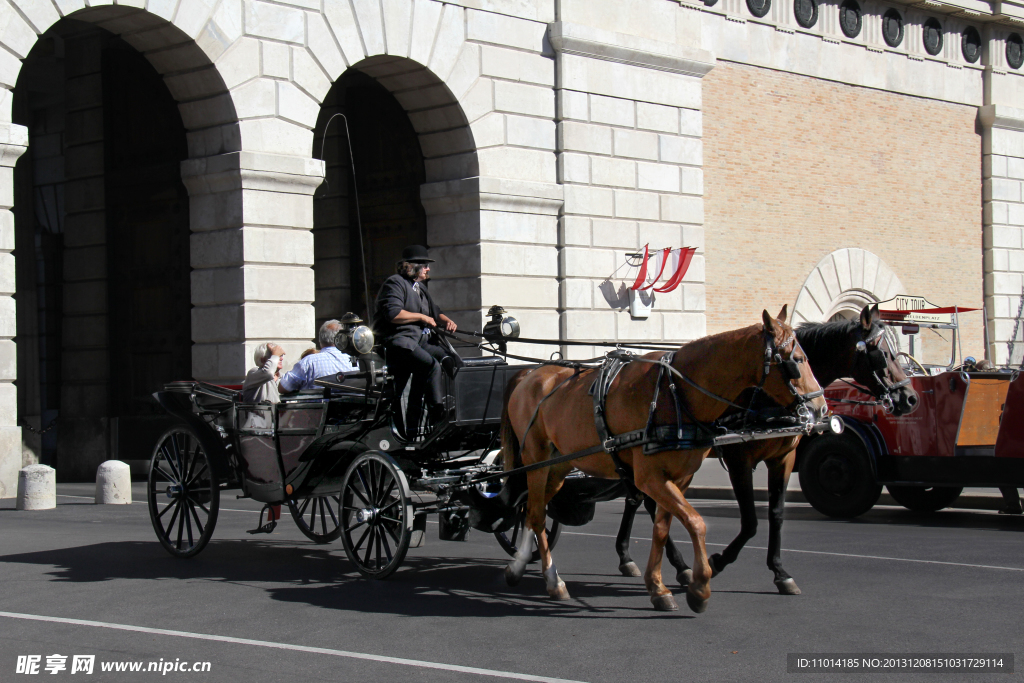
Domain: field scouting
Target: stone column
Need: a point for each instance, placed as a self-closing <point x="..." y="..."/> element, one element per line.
<point x="1003" y="229"/>
<point x="252" y="258"/>
<point x="13" y="143"/>
<point x="630" y="157"/>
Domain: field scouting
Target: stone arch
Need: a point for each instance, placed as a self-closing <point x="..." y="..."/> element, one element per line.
<point x="181" y="48"/>
<point x="423" y="113"/>
<point x="842" y="283"/>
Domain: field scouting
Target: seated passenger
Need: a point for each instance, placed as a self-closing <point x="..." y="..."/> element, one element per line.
<point x="261" y="382"/>
<point x="405" y="316"/>
<point x="328" y="361"/>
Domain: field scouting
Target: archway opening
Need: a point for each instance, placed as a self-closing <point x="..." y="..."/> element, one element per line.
<point x="102" y="250"/>
<point x="408" y="132"/>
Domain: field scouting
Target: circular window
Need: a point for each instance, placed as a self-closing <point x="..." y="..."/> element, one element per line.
<point x="710" y="3"/>
<point x="806" y="12"/>
<point x="892" y="28"/>
<point x="970" y="44"/>
<point x="759" y="8"/>
<point x="932" y="36"/>
<point x="1015" y="51"/>
<point x="849" y="18"/>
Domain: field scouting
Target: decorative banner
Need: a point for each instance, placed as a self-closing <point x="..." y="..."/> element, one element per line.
<point x="683" y="257"/>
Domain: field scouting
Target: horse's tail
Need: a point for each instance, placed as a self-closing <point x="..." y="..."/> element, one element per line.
<point x="509" y="441"/>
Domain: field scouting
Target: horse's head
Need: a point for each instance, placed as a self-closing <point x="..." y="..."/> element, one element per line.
<point x="787" y="378"/>
<point x="873" y="364"/>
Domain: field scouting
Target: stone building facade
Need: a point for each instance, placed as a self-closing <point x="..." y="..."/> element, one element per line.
<point x="177" y="189"/>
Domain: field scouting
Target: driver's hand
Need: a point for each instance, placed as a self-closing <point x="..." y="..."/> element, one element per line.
<point x="427" y="320"/>
<point x="450" y="325"/>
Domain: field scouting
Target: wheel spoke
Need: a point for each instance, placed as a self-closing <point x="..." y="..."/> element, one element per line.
<point x="369" y="546"/>
<point x="181" y="525"/>
<point x="201" y="506"/>
<point x="323" y="517"/>
<point x="168" y="507"/>
<point x="170" y="525"/>
<point x="390" y="505"/>
<point x="378" y="535"/>
<point x="312" y="516"/>
<point x="391" y="519"/>
<point x="302" y="509"/>
<point x="194" y="479"/>
<point x="177" y="457"/>
<point x="168" y="456"/>
<point x="334" y="519"/>
<point x="366" y="488"/>
<point x="195" y="516"/>
<point x="159" y="470"/>
<point x="372" y="491"/>
<point x="392" y="533"/>
<point x="391" y="487"/>
<point x="387" y="549"/>
<point x="359" y="543"/>
<point x="188" y="523"/>
<point x="191" y="458"/>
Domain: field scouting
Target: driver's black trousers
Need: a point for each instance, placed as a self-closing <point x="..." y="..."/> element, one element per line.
<point x="423" y="361"/>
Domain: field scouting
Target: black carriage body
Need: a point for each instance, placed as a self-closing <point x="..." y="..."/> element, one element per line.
<point x="302" y="445"/>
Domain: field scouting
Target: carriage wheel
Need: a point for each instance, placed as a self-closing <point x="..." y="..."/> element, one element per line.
<point x="318" y="517"/>
<point x="924" y="498"/>
<point x="184" y="496"/>
<point x="376" y="515"/>
<point x="508" y="539"/>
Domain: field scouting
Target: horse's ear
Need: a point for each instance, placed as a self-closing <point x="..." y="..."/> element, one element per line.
<point x="865" y="317"/>
<point x="769" y="324"/>
<point x="782" y="314"/>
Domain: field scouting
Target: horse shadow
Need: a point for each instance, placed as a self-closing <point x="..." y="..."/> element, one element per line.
<point x="321" y="576"/>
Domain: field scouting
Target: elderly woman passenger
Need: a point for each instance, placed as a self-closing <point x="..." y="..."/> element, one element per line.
<point x="260" y="383"/>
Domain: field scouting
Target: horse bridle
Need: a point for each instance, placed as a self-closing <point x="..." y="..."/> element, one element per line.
<point x="889" y="389"/>
<point x="790" y="369"/>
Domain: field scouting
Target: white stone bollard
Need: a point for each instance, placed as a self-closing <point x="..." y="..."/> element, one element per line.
<point x="37" y="488"/>
<point x="114" y="483"/>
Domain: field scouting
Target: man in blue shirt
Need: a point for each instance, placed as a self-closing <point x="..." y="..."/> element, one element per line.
<point x="329" y="361"/>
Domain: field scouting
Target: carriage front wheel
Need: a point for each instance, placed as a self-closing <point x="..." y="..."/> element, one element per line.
<point x="318" y="517"/>
<point x="184" y="496"/>
<point x="376" y="515"/>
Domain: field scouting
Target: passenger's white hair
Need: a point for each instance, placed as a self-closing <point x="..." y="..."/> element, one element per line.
<point x="328" y="331"/>
<point x="262" y="354"/>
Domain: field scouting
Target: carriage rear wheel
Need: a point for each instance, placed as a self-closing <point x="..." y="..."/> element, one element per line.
<point x="184" y="496"/>
<point x="376" y="515"/>
<point x="318" y="517"/>
<point x="509" y="540"/>
<point x="924" y="498"/>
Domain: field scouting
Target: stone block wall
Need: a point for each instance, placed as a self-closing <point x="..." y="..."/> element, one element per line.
<point x="630" y="158"/>
<point x="796" y="167"/>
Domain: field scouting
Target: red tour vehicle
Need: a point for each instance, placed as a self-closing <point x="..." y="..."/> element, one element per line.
<point x="967" y="428"/>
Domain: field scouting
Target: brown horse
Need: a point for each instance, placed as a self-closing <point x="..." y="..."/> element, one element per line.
<point x="724" y="364"/>
<point x="854" y="348"/>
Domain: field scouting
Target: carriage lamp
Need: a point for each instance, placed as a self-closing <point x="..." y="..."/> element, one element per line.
<point x="362" y="340"/>
<point x="355" y="335"/>
<point x="501" y="326"/>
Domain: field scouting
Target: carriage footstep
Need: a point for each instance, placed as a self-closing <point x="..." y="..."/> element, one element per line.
<point x="695" y="603"/>
<point x="787" y="587"/>
<point x="685" y="577"/>
<point x="665" y="603"/>
<point x="630" y="569"/>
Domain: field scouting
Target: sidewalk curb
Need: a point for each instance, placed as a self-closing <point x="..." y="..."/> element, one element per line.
<point x="969" y="501"/>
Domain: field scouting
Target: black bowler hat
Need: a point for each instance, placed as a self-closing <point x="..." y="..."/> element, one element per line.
<point x="416" y="253"/>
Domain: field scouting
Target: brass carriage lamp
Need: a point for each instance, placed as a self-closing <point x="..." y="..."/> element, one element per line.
<point x="354" y="336"/>
<point x="500" y="326"/>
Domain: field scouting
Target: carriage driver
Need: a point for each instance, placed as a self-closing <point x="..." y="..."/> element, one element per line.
<point x="405" y="316"/>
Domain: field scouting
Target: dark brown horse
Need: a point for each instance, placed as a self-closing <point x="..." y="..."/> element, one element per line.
<point x="724" y="364"/>
<point x="854" y="348"/>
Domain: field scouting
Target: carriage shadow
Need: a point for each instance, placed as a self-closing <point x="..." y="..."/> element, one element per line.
<point x="321" y="576"/>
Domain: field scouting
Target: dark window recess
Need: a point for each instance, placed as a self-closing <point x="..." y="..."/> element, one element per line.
<point x="932" y="36"/>
<point x="849" y="18"/>
<point x="970" y="44"/>
<point x="1015" y="50"/>
<point x="759" y="8"/>
<point x="806" y="12"/>
<point x="892" y="28"/>
<point x="710" y="3"/>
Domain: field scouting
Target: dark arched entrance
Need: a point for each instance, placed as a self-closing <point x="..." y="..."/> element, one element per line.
<point x="389" y="172"/>
<point x="102" y="249"/>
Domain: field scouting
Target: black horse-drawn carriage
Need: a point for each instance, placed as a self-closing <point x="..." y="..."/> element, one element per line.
<point x="340" y="459"/>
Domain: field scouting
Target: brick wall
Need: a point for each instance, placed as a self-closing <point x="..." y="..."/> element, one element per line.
<point x="797" y="167"/>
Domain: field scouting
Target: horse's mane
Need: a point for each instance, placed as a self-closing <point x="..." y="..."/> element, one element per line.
<point x="830" y="334"/>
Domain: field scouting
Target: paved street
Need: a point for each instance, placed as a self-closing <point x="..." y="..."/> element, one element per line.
<point x="892" y="581"/>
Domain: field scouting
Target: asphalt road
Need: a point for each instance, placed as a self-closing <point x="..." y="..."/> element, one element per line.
<point x="890" y="582"/>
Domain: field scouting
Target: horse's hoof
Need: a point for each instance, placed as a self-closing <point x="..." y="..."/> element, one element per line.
<point x="696" y="604"/>
<point x="685" y="577"/>
<point x="787" y="587"/>
<point x="716" y="564"/>
<point x="664" y="603"/>
<point x="511" y="578"/>
<point x="559" y="593"/>
<point x="630" y="569"/>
